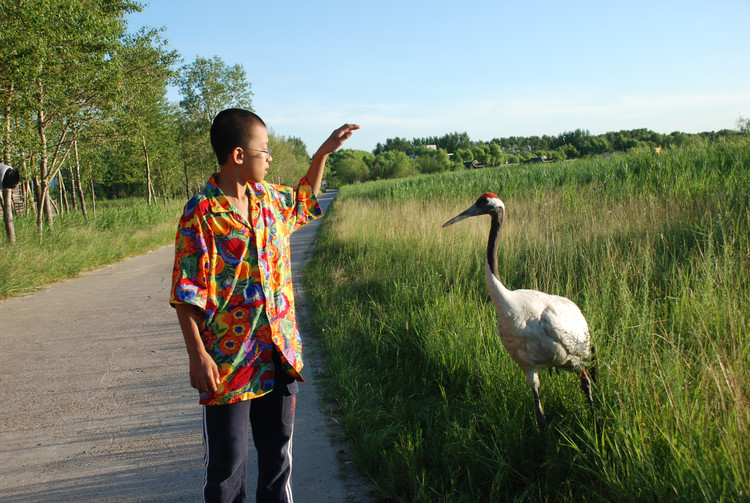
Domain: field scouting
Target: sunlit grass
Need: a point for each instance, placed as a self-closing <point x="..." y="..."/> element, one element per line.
<point x="655" y="249"/>
<point x="119" y="230"/>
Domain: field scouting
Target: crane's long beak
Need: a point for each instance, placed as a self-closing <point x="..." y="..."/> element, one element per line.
<point x="473" y="211"/>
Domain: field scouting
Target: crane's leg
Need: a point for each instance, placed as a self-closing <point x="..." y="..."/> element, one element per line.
<point x="533" y="379"/>
<point x="586" y="387"/>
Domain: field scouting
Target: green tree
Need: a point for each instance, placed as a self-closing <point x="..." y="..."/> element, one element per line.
<point x="68" y="74"/>
<point x="348" y="166"/>
<point x="300" y="150"/>
<point x="391" y="164"/>
<point x="207" y="86"/>
<point x="397" y="143"/>
<point x="568" y="151"/>
<point x="290" y="161"/>
<point x="147" y="70"/>
<point x="599" y="145"/>
<point x="482" y="153"/>
<point x="450" y="142"/>
<point x="463" y="155"/>
<point x="497" y="157"/>
<point x="429" y="160"/>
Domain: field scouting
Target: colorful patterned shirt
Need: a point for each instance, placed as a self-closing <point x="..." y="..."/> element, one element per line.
<point x="238" y="274"/>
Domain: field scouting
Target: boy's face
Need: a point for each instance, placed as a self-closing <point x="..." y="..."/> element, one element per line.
<point x="255" y="156"/>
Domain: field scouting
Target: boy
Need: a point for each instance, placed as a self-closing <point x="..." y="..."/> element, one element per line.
<point x="232" y="289"/>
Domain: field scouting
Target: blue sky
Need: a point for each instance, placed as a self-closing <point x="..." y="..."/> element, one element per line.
<point x="490" y="68"/>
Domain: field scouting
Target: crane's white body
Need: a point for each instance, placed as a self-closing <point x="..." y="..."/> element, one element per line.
<point x="539" y="330"/>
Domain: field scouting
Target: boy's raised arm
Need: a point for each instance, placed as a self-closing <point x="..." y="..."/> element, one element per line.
<point x="333" y="143"/>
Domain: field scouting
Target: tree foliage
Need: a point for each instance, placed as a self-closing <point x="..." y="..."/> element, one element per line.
<point x="462" y="151"/>
<point x="67" y="76"/>
<point x="208" y="86"/>
<point x="391" y="164"/>
<point x="349" y="166"/>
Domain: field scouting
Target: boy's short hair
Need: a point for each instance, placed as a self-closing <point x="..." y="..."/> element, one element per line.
<point x="232" y="128"/>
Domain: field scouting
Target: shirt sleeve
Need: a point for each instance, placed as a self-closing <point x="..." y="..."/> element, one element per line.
<point x="191" y="261"/>
<point x="300" y="206"/>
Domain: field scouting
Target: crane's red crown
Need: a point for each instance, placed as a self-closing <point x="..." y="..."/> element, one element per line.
<point x="488" y="195"/>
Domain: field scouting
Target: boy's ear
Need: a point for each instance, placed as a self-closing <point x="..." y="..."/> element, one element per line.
<point x="238" y="155"/>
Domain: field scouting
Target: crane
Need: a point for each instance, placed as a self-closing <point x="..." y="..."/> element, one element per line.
<point x="540" y="331"/>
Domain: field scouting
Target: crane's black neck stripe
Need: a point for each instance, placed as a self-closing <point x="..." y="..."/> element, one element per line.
<point x="492" y="242"/>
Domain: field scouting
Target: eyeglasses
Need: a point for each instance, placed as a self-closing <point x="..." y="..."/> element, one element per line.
<point x="266" y="151"/>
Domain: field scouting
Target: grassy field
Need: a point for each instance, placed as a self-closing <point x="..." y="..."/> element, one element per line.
<point x="120" y="229"/>
<point x="656" y="251"/>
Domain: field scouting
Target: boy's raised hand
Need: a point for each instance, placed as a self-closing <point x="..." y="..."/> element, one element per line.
<point x="333" y="143"/>
<point x="337" y="138"/>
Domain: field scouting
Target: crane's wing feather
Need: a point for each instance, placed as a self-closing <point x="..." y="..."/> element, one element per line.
<point x="563" y="322"/>
<point x="537" y="329"/>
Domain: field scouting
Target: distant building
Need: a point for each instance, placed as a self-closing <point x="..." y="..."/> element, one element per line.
<point x="473" y="164"/>
<point x="537" y="159"/>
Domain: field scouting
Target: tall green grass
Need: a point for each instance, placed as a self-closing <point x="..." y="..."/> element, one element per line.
<point x="656" y="251"/>
<point x="120" y="228"/>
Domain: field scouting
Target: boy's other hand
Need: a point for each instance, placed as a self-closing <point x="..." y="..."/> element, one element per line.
<point x="204" y="374"/>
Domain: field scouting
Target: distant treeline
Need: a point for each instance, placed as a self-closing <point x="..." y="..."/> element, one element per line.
<point x="567" y="145"/>
<point x="400" y="157"/>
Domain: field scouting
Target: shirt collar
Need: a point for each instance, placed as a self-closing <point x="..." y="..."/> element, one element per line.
<point x="258" y="189"/>
<point x="219" y="202"/>
<point x="216" y="198"/>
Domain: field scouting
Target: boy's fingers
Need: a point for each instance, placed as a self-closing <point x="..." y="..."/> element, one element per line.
<point x="213" y="378"/>
<point x="345" y="132"/>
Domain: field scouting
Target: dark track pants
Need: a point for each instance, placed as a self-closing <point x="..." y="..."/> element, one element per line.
<point x="225" y="436"/>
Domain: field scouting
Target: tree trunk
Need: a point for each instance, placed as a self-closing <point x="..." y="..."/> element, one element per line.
<point x="187" y="180"/>
<point x="162" y="184"/>
<point x="45" y="208"/>
<point x="60" y="191"/>
<point x="93" y="196"/>
<point x="73" y="200"/>
<point x="24" y="195"/>
<point x="149" y="186"/>
<point x="39" y="206"/>
<point x="79" y="187"/>
<point x="54" y="207"/>
<point x="28" y="197"/>
<point x="10" y="228"/>
<point x="63" y="193"/>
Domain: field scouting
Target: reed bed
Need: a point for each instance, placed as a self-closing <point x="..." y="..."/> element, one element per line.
<point x="656" y="251"/>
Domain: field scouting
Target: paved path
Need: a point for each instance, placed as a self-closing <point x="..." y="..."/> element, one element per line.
<point x="96" y="404"/>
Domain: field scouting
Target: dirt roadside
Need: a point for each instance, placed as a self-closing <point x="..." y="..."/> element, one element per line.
<point x="96" y="401"/>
